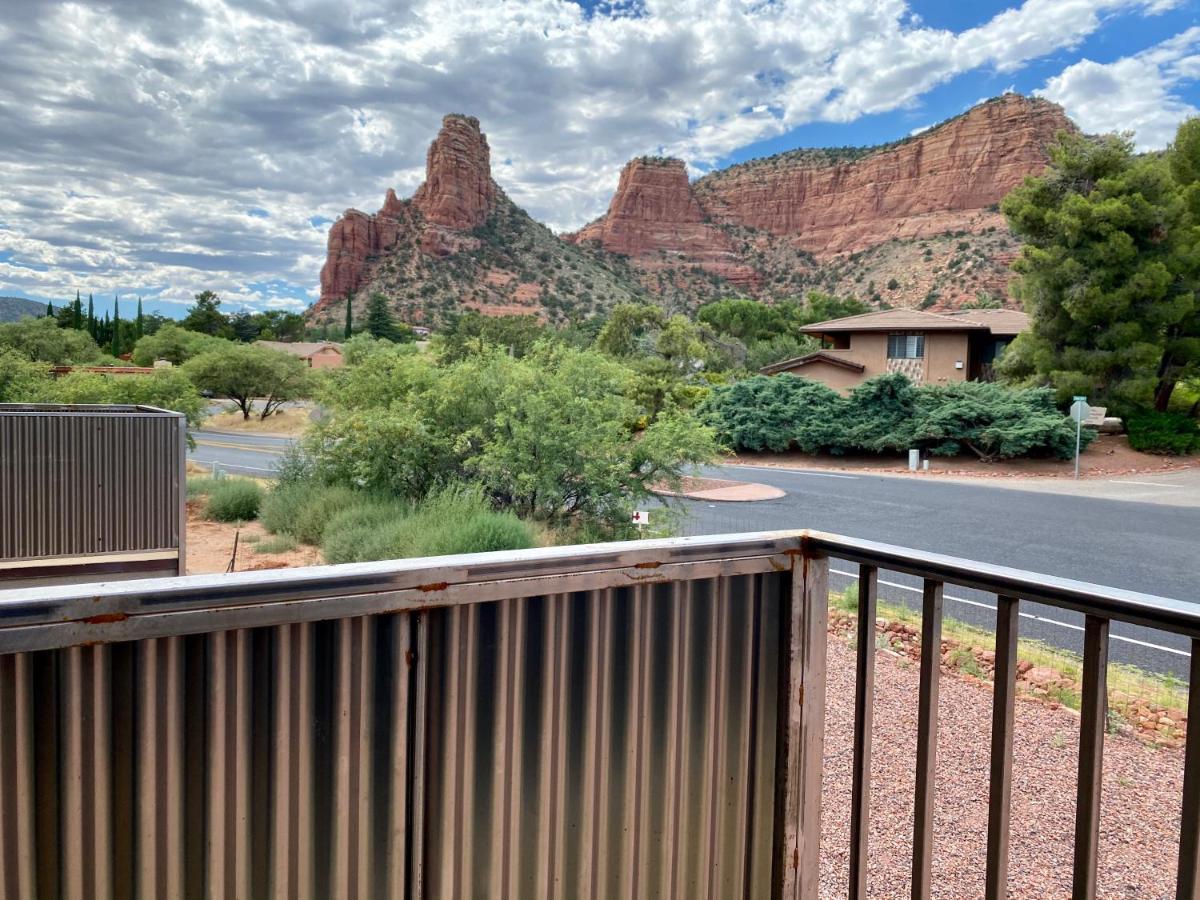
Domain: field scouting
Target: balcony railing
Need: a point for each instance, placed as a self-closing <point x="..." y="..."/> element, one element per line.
<point x="616" y="720"/>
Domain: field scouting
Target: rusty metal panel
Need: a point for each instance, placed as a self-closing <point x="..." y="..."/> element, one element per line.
<point x="613" y="743"/>
<point x="101" y="482"/>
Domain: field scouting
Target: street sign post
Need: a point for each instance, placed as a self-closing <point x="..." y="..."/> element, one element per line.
<point x="1079" y="412"/>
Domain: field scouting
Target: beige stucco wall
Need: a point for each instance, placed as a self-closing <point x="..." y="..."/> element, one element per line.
<point x="869" y="349"/>
<point x="841" y="380"/>
<point x="328" y="358"/>
<point x="942" y="350"/>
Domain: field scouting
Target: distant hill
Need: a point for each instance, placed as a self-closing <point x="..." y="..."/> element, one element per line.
<point x="912" y="224"/>
<point x="14" y="308"/>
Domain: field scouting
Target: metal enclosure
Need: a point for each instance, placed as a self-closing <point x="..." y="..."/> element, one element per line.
<point x="90" y="493"/>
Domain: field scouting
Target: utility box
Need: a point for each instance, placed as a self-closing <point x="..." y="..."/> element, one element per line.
<point x="91" y="493"/>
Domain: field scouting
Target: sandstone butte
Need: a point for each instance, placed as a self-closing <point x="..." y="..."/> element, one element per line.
<point x="948" y="178"/>
<point x="457" y="196"/>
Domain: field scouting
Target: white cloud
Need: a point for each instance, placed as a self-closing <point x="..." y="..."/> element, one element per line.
<point x="138" y="133"/>
<point x="1135" y="93"/>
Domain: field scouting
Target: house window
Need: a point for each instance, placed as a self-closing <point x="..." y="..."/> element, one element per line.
<point x="906" y="346"/>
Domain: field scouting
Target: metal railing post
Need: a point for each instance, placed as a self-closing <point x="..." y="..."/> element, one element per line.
<point x="805" y="713"/>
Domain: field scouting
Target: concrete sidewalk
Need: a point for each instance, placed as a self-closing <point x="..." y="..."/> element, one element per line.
<point x="1179" y="488"/>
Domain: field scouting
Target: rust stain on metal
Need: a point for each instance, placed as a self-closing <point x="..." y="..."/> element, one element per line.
<point x="795" y="857"/>
<point x="409" y="658"/>
<point x="647" y="565"/>
<point x="436" y="586"/>
<point x="800" y="695"/>
<point x="106" y="618"/>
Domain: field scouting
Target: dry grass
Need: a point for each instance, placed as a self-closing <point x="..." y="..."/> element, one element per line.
<point x="290" y="422"/>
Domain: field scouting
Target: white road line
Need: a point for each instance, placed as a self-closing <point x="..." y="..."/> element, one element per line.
<point x="781" y="470"/>
<point x="1031" y="616"/>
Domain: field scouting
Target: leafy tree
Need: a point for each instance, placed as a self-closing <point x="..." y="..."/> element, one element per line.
<point x="244" y="373"/>
<point x="205" y="316"/>
<point x="165" y="388"/>
<point x="472" y="332"/>
<point x="381" y="325"/>
<point x="42" y="340"/>
<point x="554" y="436"/>
<point x="77" y="313"/>
<point x="747" y="320"/>
<point x="21" y="379"/>
<point x="174" y="344"/>
<point x="1109" y="271"/>
<point x="627" y="326"/>
<point x="777" y="349"/>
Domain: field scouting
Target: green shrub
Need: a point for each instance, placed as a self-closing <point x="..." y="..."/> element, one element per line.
<point x="1158" y="432"/>
<point x="887" y="414"/>
<point x="776" y="413"/>
<point x="302" y="509"/>
<point x="455" y="520"/>
<point x="233" y="500"/>
<point x="352" y="534"/>
<point x="200" y="485"/>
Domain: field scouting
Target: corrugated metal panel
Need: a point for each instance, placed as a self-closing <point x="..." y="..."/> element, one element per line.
<point x="618" y="743"/>
<point x="610" y="743"/>
<point x="78" y="481"/>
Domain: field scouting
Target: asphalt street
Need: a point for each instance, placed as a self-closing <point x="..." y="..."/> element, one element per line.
<point x="1148" y="547"/>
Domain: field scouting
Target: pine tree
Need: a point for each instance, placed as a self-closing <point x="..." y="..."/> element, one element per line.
<point x="77" y="313"/>
<point x="116" y="331"/>
<point x="91" y="319"/>
<point x="349" y="315"/>
<point x="49" y="309"/>
<point x="380" y="323"/>
<point x="139" y="326"/>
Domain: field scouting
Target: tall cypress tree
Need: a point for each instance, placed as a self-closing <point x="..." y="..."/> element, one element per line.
<point x="116" y="328"/>
<point x="349" y="315"/>
<point x="139" y="326"/>
<point x="49" y="309"/>
<point x="91" y="319"/>
<point x="77" y="313"/>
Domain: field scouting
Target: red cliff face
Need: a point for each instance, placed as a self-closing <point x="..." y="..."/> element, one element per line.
<point x="941" y="180"/>
<point x="655" y="219"/>
<point x="458" y="191"/>
<point x="458" y="194"/>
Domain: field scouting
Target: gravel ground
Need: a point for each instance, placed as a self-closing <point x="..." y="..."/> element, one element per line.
<point x="1140" y="814"/>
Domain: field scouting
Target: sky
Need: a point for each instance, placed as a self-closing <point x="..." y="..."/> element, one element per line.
<point x="163" y="147"/>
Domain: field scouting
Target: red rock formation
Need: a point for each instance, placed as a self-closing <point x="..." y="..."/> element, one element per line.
<point x="457" y="196"/>
<point x="935" y="182"/>
<point x="458" y="191"/>
<point x="654" y="219"/>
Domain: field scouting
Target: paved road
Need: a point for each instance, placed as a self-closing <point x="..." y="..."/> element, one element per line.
<point x="1138" y="546"/>
<point x="1146" y="547"/>
<point x="239" y="454"/>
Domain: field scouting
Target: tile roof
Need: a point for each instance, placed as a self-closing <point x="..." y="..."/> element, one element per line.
<point x="896" y="320"/>
<point x="818" y="356"/>
<point x="303" y="349"/>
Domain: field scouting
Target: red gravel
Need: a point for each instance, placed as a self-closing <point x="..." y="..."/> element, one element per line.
<point x="1140" y="813"/>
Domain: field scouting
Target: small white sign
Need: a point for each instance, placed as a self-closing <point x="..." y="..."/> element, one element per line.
<point x="1079" y="409"/>
<point x="640" y="517"/>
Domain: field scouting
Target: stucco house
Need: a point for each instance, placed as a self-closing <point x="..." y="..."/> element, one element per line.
<point x="318" y="354"/>
<point x="930" y="348"/>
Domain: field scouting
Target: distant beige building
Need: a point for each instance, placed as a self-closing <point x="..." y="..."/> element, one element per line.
<point x="930" y="348"/>
<point x="318" y="355"/>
